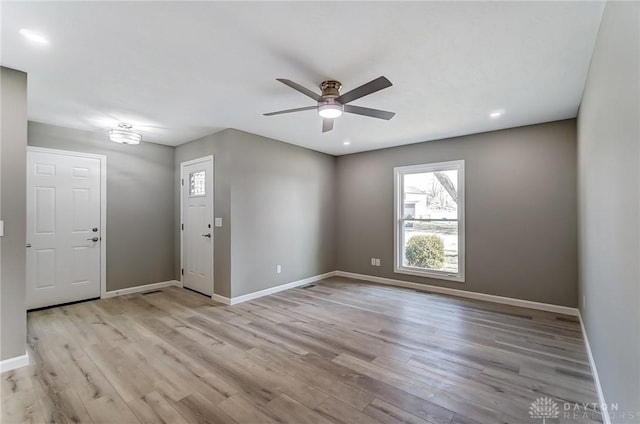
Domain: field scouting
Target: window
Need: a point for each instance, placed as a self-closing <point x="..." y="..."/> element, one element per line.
<point x="197" y="184"/>
<point x="429" y="220"/>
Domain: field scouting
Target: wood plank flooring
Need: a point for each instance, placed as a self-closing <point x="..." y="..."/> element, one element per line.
<point x="337" y="352"/>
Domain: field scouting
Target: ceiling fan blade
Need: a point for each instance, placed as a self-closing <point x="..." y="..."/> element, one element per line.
<point x="374" y="113"/>
<point x="301" y="89"/>
<point x="327" y="125"/>
<point x="300" y="109"/>
<point x="364" y="90"/>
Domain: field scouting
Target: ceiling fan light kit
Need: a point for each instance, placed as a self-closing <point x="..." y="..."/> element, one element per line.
<point x="331" y="104"/>
<point x="330" y="109"/>
<point x="124" y="135"/>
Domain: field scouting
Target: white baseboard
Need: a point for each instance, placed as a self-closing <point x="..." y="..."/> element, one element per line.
<point x="143" y="288"/>
<point x="221" y="299"/>
<point x="14" y="363"/>
<point x="462" y="293"/>
<point x="400" y="283"/>
<point x="606" y="419"/>
<point x="271" y="290"/>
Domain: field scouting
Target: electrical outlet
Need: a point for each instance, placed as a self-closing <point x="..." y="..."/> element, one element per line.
<point x="373" y="261"/>
<point x="278" y="269"/>
<point x="377" y="261"/>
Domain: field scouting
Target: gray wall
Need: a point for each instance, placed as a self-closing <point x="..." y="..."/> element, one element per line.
<point x="277" y="205"/>
<point x="521" y="210"/>
<point x="609" y="182"/>
<point x="282" y="205"/>
<point x="13" y="210"/>
<point x="139" y="203"/>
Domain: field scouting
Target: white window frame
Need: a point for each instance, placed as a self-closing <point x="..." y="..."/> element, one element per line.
<point x="399" y="173"/>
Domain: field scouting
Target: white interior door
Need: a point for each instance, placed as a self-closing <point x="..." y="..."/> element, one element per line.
<point x="197" y="221"/>
<point x="63" y="227"/>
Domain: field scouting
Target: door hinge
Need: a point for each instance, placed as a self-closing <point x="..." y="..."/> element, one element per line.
<point x="182" y="271"/>
<point x="182" y="227"/>
<point x="182" y="181"/>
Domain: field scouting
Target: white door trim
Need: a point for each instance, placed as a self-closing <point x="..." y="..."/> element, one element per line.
<point x="213" y="247"/>
<point x="103" y="204"/>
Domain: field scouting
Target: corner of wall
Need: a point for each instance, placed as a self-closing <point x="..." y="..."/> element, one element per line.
<point x="609" y="192"/>
<point x="13" y="211"/>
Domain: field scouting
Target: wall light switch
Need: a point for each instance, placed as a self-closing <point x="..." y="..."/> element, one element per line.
<point x="377" y="262"/>
<point x="373" y="261"/>
<point x="278" y="269"/>
<point x="218" y="222"/>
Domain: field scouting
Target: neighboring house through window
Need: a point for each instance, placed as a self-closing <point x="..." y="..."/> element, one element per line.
<point x="429" y="220"/>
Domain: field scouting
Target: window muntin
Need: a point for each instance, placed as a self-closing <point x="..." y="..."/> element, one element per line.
<point x="429" y="203"/>
<point x="197" y="184"/>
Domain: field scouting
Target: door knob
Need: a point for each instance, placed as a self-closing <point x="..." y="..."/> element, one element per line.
<point x="208" y="235"/>
<point x="28" y="244"/>
<point x="94" y="239"/>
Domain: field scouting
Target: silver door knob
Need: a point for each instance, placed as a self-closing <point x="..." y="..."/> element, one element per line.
<point x="208" y="235"/>
<point x="93" y="239"/>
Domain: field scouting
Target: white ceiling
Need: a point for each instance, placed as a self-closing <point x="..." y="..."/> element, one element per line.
<point x="181" y="70"/>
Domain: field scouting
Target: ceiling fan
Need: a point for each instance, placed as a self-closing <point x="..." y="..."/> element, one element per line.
<point x="331" y="103"/>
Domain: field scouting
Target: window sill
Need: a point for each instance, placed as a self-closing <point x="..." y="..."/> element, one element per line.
<point x="431" y="274"/>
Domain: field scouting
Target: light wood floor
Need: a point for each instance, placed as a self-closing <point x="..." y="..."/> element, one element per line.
<point x="337" y="352"/>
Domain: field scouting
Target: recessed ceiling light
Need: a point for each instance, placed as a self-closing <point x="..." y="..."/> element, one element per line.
<point x="496" y="114"/>
<point x="347" y="142"/>
<point x="34" y="36"/>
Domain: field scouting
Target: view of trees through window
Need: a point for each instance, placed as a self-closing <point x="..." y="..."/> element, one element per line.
<point x="430" y="220"/>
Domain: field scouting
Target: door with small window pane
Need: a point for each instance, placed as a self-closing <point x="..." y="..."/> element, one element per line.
<point x="197" y="225"/>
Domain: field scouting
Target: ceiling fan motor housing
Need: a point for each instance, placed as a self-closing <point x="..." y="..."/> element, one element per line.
<point x="330" y="89"/>
<point x="328" y="106"/>
<point x="331" y="104"/>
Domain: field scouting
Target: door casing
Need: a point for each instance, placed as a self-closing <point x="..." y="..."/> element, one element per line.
<point x="182" y="188"/>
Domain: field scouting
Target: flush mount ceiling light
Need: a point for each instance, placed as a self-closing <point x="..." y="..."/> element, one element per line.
<point x="496" y="114"/>
<point x="124" y="135"/>
<point x="34" y="36"/>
